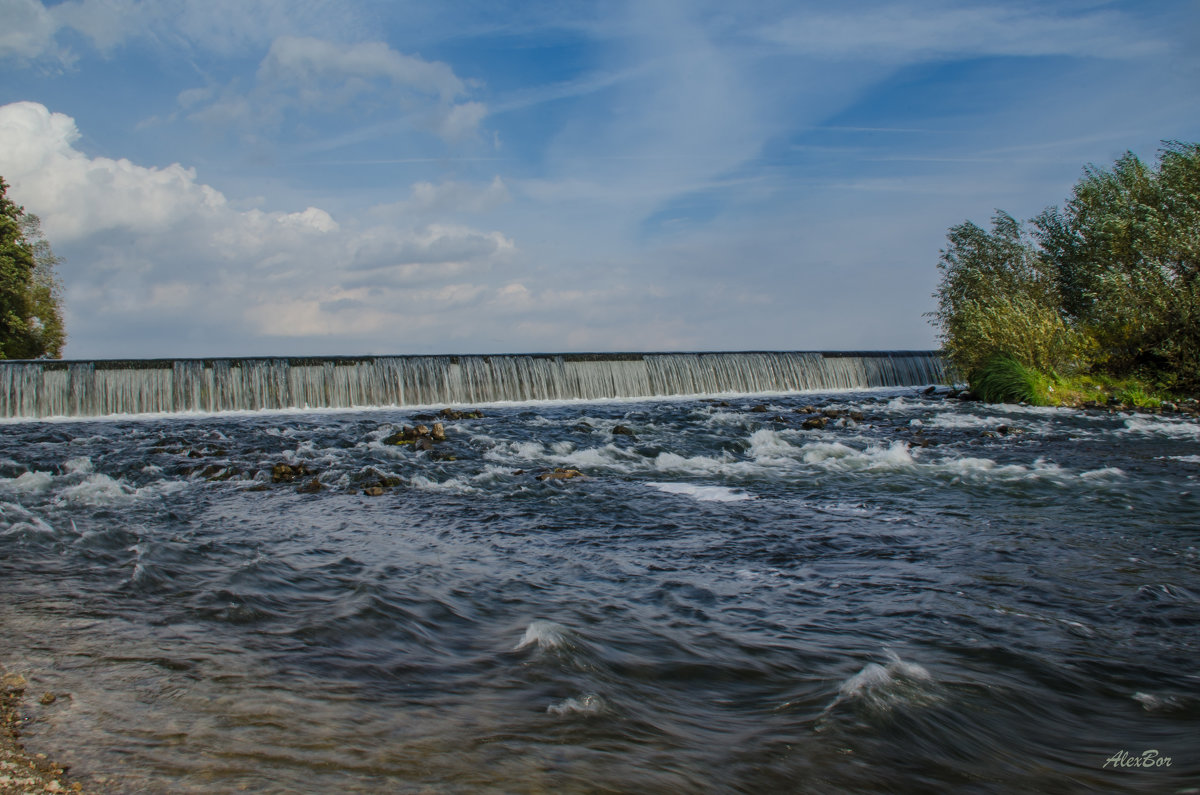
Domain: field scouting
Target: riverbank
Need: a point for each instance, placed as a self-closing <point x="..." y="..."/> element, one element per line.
<point x="20" y="771"/>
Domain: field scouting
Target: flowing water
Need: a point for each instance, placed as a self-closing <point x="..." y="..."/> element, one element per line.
<point x="30" y="389"/>
<point x="924" y="596"/>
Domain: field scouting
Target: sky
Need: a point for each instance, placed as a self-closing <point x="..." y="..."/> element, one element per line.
<point x="309" y="177"/>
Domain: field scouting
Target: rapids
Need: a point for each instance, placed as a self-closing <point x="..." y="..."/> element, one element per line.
<point x="918" y="599"/>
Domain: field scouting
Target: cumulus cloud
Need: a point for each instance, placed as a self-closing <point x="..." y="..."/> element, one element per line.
<point x="156" y="247"/>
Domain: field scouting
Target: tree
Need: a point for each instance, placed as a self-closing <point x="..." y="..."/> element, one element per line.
<point x="30" y="316"/>
<point x="997" y="297"/>
<point x="1126" y="252"/>
<point x="1109" y="284"/>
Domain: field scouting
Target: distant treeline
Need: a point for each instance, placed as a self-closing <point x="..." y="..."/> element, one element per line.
<point x="1104" y="292"/>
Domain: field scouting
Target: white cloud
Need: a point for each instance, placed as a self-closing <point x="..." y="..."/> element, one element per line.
<point x="28" y="29"/>
<point x="307" y="62"/>
<point x="448" y="197"/>
<point x="158" y="248"/>
<point x="306" y="75"/>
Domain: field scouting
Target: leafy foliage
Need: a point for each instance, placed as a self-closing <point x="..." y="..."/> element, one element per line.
<point x="1110" y="283"/>
<point x="31" y="323"/>
<point x="997" y="299"/>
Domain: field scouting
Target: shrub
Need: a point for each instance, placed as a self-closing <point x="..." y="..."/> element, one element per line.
<point x="1003" y="379"/>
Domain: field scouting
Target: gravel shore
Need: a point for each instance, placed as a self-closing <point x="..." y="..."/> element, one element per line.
<point x="22" y="773"/>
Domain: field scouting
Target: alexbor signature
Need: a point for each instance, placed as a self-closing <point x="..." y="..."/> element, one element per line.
<point x="1149" y="758"/>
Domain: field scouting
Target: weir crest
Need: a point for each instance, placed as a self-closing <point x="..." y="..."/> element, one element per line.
<point x="51" y="388"/>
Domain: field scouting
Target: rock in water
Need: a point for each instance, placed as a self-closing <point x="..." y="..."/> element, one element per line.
<point x="311" y="487"/>
<point x="561" y="474"/>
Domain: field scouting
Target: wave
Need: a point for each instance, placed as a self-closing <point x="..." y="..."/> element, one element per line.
<point x="587" y="704"/>
<point x="703" y="493"/>
<point x="544" y="634"/>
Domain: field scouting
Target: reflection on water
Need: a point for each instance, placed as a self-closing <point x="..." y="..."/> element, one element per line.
<point x="907" y="599"/>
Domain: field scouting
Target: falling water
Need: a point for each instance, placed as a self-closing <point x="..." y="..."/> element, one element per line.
<point x="96" y="388"/>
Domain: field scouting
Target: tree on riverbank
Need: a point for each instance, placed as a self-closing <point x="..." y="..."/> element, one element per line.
<point x="31" y="323"/>
<point x="1108" y="287"/>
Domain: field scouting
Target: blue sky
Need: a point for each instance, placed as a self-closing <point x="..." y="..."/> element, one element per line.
<point x="313" y="177"/>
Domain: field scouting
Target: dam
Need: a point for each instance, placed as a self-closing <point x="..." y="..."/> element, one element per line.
<point x="55" y="388"/>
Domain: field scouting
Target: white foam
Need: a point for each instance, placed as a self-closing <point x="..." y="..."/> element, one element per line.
<point x="79" y="466"/>
<point x="22" y="521"/>
<point x="1188" y="459"/>
<point x="543" y="634"/>
<point x="28" y="482"/>
<point x="607" y="457"/>
<point x="1107" y="473"/>
<point x="884" y="687"/>
<point x="767" y="444"/>
<point x="703" y="493"/>
<point x="841" y="457"/>
<point x="451" y="485"/>
<point x="98" y="489"/>
<point x="1147" y="425"/>
<point x="587" y="704"/>
<point x="950" y="419"/>
<point x="695" y="465"/>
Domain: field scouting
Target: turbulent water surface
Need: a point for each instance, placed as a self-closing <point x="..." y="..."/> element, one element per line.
<point x="916" y="600"/>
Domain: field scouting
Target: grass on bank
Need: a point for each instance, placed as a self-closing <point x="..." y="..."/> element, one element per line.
<point x="1003" y="379"/>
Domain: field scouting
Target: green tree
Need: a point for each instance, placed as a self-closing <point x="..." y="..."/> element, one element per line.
<point x="30" y="316"/>
<point x="997" y="298"/>
<point x="1126" y="253"/>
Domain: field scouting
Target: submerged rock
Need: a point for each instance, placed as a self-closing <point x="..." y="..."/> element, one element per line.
<point x="453" y="414"/>
<point x="814" y="423"/>
<point x="561" y="474"/>
<point x="623" y="430"/>
<point x="287" y="473"/>
<point x="373" y="491"/>
<point x="311" y="487"/>
<point x="421" y="437"/>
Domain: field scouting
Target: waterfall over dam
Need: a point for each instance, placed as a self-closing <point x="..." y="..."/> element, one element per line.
<point x="52" y="388"/>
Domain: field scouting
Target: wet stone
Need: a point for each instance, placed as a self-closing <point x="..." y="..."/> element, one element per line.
<point x="561" y="474"/>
